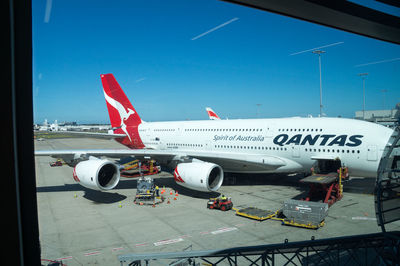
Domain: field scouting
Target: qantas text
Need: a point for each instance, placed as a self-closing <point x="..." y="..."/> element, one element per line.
<point x="324" y="140"/>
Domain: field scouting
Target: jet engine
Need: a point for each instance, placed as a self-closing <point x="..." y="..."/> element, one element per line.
<point x="201" y="176"/>
<point x="97" y="174"/>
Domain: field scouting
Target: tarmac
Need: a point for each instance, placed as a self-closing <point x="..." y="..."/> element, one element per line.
<point x="79" y="226"/>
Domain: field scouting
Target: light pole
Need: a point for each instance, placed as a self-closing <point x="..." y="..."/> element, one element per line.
<point x="319" y="52"/>
<point x="363" y="76"/>
<point x="383" y="92"/>
<point x="258" y="111"/>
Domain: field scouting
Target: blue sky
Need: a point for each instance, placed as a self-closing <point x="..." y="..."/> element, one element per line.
<point x="148" y="47"/>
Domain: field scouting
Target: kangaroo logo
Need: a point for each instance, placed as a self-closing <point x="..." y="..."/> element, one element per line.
<point x="177" y="176"/>
<point x="124" y="115"/>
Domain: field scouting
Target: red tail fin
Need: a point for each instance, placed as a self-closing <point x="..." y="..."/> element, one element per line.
<point x="211" y="114"/>
<point x="124" y="118"/>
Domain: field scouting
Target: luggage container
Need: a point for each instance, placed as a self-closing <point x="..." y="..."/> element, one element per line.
<point x="304" y="213"/>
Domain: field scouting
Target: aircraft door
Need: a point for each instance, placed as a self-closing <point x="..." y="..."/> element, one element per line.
<point x="205" y="146"/>
<point x="158" y="143"/>
<point x="295" y="151"/>
<point x="148" y="132"/>
<point x="372" y="154"/>
<point x="269" y="130"/>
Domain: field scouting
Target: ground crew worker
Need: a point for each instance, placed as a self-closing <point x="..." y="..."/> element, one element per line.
<point x="157" y="191"/>
<point x="345" y="172"/>
<point x="223" y="198"/>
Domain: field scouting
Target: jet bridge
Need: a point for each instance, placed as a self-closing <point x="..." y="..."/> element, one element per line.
<point x="387" y="188"/>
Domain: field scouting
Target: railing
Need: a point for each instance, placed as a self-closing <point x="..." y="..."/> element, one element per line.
<point x="372" y="249"/>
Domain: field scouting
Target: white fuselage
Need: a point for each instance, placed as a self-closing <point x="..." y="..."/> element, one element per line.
<point x="358" y="144"/>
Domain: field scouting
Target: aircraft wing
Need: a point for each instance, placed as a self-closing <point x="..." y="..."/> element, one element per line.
<point x="113" y="153"/>
<point x="226" y="160"/>
<point x="237" y="162"/>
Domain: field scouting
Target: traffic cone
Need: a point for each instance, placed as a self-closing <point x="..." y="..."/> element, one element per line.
<point x="171" y="192"/>
<point x="174" y="198"/>
<point x="176" y="194"/>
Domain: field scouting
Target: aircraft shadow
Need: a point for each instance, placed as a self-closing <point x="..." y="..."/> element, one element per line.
<point x="169" y="182"/>
<point x="61" y="188"/>
<point x="103" y="197"/>
<point x="269" y="180"/>
<point x="354" y="185"/>
<point x="264" y="179"/>
<point x="359" y="185"/>
<point x="127" y="183"/>
<point x="93" y="195"/>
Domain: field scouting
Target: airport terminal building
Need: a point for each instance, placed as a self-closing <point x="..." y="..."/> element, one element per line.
<point x="383" y="117"/>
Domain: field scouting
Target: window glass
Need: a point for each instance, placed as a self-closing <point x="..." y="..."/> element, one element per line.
<point x="172" y="59"/>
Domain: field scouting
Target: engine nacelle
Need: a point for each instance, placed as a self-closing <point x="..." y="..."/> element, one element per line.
<point x="97" y="174"/>
<point x="201" y="176"/>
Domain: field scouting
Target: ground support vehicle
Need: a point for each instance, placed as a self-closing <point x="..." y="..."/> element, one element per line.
<point x="255" y="213"/>
<point x="297" y="213"/>
<point x="137" y="169"/>
<point x="146" y="192"/>
<point x="326" y="188"/>
<point x="56" y="163"/>
<point x="220" y="203"/>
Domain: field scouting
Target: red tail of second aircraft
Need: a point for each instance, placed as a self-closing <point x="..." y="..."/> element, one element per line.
<point x="124" y="118"/>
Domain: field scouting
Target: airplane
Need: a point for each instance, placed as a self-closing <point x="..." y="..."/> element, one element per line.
<point x="211" y="114"/>
<point x="200" y="152"/>
<point x="49" y="127"/>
